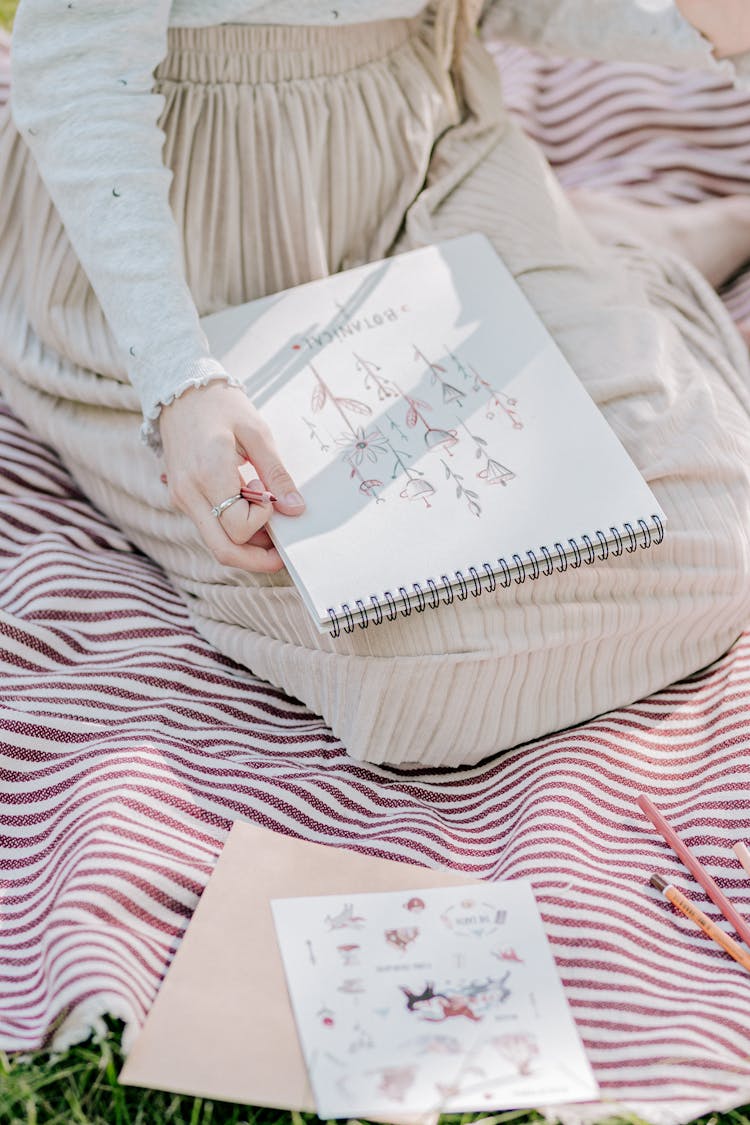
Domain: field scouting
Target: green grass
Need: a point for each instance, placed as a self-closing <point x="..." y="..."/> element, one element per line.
<point x="81" y="1088"/>
<point x="7" y="11"/>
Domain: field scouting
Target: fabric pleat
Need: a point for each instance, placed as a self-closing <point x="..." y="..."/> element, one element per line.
<point x="297" y="152"/>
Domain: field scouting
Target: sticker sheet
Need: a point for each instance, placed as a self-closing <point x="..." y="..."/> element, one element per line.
<point x="444" y="999"/>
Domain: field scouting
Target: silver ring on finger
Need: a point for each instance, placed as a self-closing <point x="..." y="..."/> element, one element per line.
<point x="218" y="510"/>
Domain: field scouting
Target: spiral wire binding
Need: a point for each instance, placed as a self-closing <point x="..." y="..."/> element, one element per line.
<point x="433" y="592"/>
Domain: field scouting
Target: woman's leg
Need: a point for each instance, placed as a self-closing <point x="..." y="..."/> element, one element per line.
<point x="658" y="353"/>
<point x="714" y="236"/>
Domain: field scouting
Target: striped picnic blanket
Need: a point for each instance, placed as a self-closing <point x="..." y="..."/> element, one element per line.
<point x="128" y="745"/>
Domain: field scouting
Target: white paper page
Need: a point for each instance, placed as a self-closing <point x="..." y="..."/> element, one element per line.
<point x="430" y="421"/>
<point x="443" y="999"/>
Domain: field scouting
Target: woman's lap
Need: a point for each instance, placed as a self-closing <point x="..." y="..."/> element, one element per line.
<point x="656" y="351"/>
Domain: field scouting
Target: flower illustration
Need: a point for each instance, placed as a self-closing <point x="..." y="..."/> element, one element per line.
<point x="363" y="444"/>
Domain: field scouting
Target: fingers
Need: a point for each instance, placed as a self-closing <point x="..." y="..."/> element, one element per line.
<point x="205" y="432"/>
<point x="262" y="452"/>
<point x="250" y="554"/>
<point x="241" y="520"/>
<point x="261" y="539"/>
<point x="236" y="537"/>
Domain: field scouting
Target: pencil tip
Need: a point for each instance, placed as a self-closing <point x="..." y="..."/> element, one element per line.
<point x="658" y="882"/>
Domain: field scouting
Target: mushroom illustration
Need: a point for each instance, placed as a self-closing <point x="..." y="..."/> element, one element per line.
<point x="348" y="953"/>
<point x="416" y="489"/>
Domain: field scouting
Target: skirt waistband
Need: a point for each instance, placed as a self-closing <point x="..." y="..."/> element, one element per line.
<point x="254" y="53"/>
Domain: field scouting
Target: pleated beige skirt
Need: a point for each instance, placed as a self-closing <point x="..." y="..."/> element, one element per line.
<point x="298" y="152"/>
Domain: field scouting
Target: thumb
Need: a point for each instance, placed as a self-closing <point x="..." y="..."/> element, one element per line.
<point x="264" y="456"/>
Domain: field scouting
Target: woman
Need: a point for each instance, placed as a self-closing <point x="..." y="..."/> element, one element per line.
<point x="301" y="141"/>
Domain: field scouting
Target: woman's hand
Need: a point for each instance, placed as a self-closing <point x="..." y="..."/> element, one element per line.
<point x="207" y="433"/>
<point x="725" y="22"/>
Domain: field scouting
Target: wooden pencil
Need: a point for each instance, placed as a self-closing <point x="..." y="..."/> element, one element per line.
<point x="695" y="868"/>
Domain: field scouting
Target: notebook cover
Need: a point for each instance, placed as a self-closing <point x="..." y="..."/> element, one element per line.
<point x="222" y="1025"/>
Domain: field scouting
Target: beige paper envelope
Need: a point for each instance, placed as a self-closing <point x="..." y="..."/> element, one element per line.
<point x="222" y="1024"/>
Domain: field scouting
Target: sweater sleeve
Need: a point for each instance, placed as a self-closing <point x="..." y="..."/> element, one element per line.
<point x="82" y="78"/>
<point x="647" y="31"/>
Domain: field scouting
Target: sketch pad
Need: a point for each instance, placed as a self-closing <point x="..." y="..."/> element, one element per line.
<point x="443" y="444"/>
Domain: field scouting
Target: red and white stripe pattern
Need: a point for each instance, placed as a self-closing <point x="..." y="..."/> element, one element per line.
<point x="128" y="746"/>
<point x="646" y="133"/>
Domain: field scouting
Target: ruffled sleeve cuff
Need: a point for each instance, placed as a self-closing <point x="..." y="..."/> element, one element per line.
<point x="734" y="68"/>
<point x="199" y="374"/>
